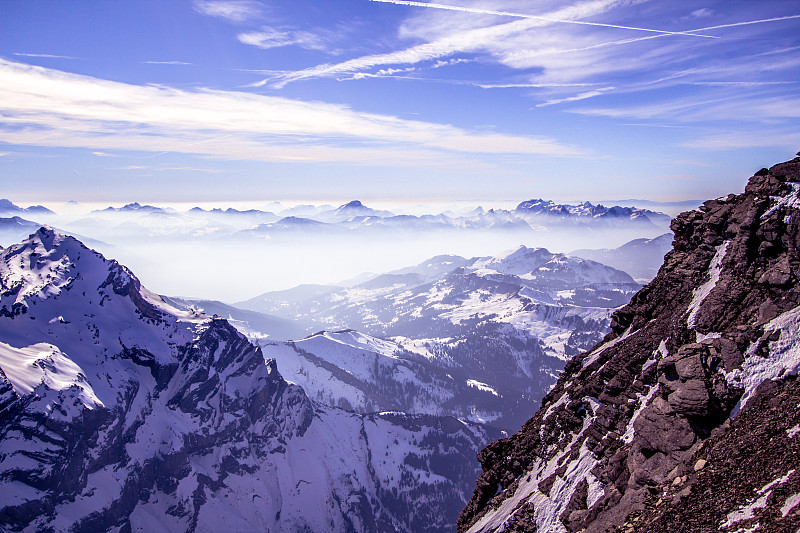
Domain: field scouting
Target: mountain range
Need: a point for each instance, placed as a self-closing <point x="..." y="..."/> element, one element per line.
<point x="230" y="255"/>
<point x="482" y="339"/>
<point x="641" y="258"/>
<point x="128" y="410"/>
<point x="123" y="412"/>
<point x="135" y="218"/>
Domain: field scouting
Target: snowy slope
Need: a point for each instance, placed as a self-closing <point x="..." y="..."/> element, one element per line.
<point x="451" y="289"/>
<point x="121" y="412"/>
<point x="507" y="322"/>
<point x="365" y="374"/>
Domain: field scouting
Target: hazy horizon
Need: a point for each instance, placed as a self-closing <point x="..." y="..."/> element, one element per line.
<point x="234" y="257"/>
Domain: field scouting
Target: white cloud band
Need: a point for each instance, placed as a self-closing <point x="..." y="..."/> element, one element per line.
<point x="48" y="107"/>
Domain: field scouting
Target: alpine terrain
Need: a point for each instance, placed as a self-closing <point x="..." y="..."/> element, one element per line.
<point x="120" y="412"/>
<point x="482" y="339"/>
<point x="686" y="416"/>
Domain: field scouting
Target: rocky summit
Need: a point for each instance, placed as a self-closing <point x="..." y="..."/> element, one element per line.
<point x="686" y="417"/>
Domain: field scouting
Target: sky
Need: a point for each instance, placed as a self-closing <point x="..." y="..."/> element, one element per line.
<point x="222" y="101"/>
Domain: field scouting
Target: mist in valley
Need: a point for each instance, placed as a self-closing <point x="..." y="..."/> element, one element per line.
<point x="231" y="254"/>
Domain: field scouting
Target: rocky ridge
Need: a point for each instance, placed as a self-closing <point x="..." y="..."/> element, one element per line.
<point x="684" y="418"/>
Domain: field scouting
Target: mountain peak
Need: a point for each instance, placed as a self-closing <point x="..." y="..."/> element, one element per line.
<point x="354" y="204"/>
<point x="8" y="205"/>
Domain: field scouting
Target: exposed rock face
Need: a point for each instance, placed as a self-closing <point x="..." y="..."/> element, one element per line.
<point x="685" y="417"/>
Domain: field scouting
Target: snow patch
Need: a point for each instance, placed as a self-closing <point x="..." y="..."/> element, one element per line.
<point x="746" y="512"/>
<point x="596" y="490"/>
<point x="700" y="337"/>
<point x="595" y="355"/>
<point x="791" y="503"/>
<point x="481" y="386"/>
<point x="783" y="359"/>
<point x="702" y="292"/>
<point x="44" y="364"/>
<point x="790" y="200"/>
<point x="561" y="401"/>
<point x="627" y="437"/>
<point x="547" y="509"/>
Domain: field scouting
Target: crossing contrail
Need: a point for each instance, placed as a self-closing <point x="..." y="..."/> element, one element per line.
<point x="536" y="17"/>
<point x="731" y="25"/>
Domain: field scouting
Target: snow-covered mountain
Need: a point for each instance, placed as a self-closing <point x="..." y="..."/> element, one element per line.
<point x="449" y="295"/>
<point x="352" y="219"/>
<point x="685" y="417"/>
<point x="536" y="210"/>
<point x="252" y="324"/>
<point x="361" y="373"/>
<point x="121" y="412"/>
<point x="481" y="338"/>
<point x="355" y="217"/>
<point x="14" y="229"/>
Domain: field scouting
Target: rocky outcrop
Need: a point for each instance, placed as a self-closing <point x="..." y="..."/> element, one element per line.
<point x="684" y="417"/>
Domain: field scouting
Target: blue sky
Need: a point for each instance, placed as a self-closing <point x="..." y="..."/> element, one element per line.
<point x="330" y="100"/>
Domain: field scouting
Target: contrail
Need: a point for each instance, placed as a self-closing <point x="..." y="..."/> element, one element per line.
<point x="535" y="17"/>
<point x="787" y="17"/>
<point x="628" y="41"/>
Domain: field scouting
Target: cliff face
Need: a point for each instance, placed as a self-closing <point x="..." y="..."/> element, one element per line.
<point x="684" y="417"/>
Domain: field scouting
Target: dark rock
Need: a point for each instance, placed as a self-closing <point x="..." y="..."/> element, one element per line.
<point x="682" y="464"/>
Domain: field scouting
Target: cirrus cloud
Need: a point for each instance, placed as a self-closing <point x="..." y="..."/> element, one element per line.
<point x="48" y="107"/>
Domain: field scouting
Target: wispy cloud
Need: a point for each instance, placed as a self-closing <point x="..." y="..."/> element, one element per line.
<point x="103" y="154"/>
<point x="165" y="63"/>
<point x="700" y="13"/>
<point x="729" y="106"/>
<point x="748" y="23"/>
<point x="231" y="10"/>
<point x="48" y="56"/>
<point x="529" y="85"/>
<point x="577" y="97"/>
<point x="272" y="38"/>
<point x="746" y="139"/>
<point x="741" y="83"/>
<point x="557" y="53"/>
<point x="47" y="107"/>
<point x="484" y="39"/>
<point x="535" y="17"/>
